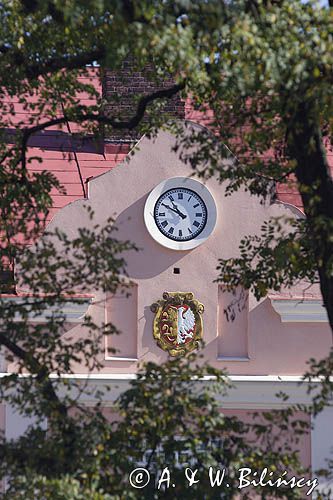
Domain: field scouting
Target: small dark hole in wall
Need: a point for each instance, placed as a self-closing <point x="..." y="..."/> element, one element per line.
<point x="176" y="270"/>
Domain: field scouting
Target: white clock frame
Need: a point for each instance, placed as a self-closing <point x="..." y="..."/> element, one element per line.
<point x="180" y="182"/>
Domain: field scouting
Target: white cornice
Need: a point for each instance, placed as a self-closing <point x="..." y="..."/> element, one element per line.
<point x="300" y="310"/>
<point x="109" y="377"/>
<point x="72" y="310"/>
<point x="247" y="391"/>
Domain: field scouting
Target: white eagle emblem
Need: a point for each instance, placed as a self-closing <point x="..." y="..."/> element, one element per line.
<point x="185" y="324"/>
<point x="177" y="324"/>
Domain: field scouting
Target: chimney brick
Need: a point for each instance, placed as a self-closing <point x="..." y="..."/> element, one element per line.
<point x="123" y="88"/>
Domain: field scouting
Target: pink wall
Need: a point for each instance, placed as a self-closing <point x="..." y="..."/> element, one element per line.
<point x="303" y="447"/>
<point x="125" y="344"/>
<point x="2" y="429"/>
<point x="2" y="417"/>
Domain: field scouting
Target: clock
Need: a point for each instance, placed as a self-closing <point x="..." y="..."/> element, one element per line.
<point x="180" y="213"/>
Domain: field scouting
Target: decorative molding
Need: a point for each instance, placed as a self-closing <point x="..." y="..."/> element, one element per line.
<point x="300" y="310"/>
<point x="107" y="377"/>
<point x="115" y="358"/>
<point x="233" y="358"/>
<point x="73" y="311"/>
<point x="247" y="392"/>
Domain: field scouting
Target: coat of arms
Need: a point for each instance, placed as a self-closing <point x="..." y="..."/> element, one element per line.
<point x="178" y="322"/>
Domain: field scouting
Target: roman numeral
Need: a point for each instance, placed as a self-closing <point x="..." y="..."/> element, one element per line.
<point x="180" y="196"/>
<point x="164" y="223"/>
<point x="196" y="223"/>
<point x="197" y="215"/>
<point x="189" y="198"/>
<point x="171" y="198"/>
<point x="189" y="230"/>
<point x="171" y="230"/>
<point x="180" y="232"/>
<point x="162" y="214"/>
<point x="195" y="206"/>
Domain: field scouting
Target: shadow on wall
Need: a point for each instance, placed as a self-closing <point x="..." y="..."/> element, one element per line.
<point x="56" y="140"/>
<point x="151" y="259"/>
<point x="148" y="342"/>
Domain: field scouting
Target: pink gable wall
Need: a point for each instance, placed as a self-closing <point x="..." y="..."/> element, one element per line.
<point x="122" y="191"/>
<point x="272" y="347"/>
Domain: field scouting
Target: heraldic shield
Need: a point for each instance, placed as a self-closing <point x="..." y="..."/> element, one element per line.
<point x="178" y="322"/>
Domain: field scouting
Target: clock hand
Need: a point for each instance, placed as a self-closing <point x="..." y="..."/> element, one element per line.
<point x="166" y="206"/>
<point x="183" y="216"/>
<point x="174" y="210"/>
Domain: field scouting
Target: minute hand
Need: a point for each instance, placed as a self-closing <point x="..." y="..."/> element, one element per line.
<point x="183" y="216"/>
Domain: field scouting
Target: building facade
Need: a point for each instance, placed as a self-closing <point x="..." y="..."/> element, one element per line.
<point x="264" y="345"/>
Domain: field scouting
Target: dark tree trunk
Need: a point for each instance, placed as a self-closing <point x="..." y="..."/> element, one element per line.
<point x="316" y="187"/>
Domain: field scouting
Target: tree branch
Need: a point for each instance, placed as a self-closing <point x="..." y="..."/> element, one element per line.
<point x="41" y="372"/>
<point x="69" y="62"/>
<point x="102" y="119"/>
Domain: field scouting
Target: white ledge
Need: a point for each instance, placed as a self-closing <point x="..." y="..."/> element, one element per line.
<point x="115" y="358"/>
<point x="300" y="310"/>
<point x="247" y="391"/>
<point x="295" y="379"/>
<point x="72" y="310"/>
<point x="233" y="358"/>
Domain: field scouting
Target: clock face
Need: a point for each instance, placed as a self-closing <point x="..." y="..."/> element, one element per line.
<point x="180" y="214"/>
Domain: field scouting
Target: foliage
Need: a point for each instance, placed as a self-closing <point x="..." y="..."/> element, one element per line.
<point x="264" y="70"/>
<point x="272" y="259"/>
<point x="270" y="97"/>
<point x="169" y="417"/>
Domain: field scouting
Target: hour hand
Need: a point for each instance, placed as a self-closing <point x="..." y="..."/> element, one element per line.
<point x="174" y="210"/>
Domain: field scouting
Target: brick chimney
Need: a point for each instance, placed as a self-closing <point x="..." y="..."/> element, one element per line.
<point x="122" y="89"/>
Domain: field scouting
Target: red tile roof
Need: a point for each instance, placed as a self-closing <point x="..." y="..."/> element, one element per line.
<point x="73" y="161"/>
